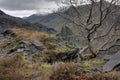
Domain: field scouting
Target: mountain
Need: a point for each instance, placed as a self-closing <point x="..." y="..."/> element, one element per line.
<point x="7" y="21"/>
<point x="55" y="21"/>
<point x="50" y="20"/>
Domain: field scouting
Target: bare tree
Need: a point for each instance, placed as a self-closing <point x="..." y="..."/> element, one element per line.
<point x="89" y="26"/>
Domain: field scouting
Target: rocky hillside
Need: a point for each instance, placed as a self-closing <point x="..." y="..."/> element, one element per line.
<point x="29" y="52"/>
<point x="33" y="55"/>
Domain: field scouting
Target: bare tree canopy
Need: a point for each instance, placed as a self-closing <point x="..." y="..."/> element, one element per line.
<point x="88" y="24"/>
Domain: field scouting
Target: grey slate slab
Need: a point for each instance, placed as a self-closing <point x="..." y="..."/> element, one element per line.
<point x="112" y="63"/>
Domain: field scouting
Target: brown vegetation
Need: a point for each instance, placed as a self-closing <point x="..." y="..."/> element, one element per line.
<point x="98" y="76"/>
<point x="32" y="35"/>
<point x="14" y="68"/>
<point x="75" y="71"/>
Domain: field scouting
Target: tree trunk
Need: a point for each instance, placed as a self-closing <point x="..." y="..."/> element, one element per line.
<point x="90" y="49"/>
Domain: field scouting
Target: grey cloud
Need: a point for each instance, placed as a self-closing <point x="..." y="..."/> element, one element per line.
<point x="26" y="4"/>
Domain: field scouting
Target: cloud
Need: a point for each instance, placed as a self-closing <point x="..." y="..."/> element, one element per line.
<point x="24" y="8"/>
<point x="28" y="4"/>
<point x="22" y="13"/>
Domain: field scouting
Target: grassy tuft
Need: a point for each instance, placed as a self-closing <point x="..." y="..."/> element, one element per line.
<point x="14" y="68"/>
<point x="32" y="35"/>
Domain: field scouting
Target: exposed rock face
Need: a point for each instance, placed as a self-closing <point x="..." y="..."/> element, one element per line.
<point x="112" y="47"/>
<point x="112" y="63"/>
<point x="107" y="57"/>
<point x="66" y="33"/>
<point x="8" y="33"/>
<point x="37" y="44"/>
<point x="27" y="48"/>
<point x="71" y="55"/>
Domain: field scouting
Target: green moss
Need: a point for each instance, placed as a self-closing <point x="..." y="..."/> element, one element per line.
<point x="100" y="62"/>
<point x="86" y="66"/>
<point x="71" y="46"/>
<point x="89" y="56"/>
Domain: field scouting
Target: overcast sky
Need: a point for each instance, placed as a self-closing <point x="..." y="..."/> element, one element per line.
<point x="22" y="8"/>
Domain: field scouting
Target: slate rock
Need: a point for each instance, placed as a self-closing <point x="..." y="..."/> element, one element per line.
<point x="8" y="33"/>
<point x="112" y="63"/>
<point x="20" y="50"/>
<point x="107" y="57"/>
<point x="65" y="33"/>
<point x="2" y="39"/>
<point x="37" y="44"/>
<point x="12" y="50"/>
<point x="24" y="42"/>
<point x="72" y="54"/>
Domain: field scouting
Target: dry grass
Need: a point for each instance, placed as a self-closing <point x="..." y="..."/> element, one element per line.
<point x="32" y="35"/>
<point x="63" y="71"/>
<point x="98" y="76"/>
<point x="53" y="55"/>
<point x="14" y="68"/>
<point x="71" y="71"/>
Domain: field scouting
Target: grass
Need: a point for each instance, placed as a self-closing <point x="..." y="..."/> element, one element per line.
<point x="87" y="65"/>
<point x="14" y="68"/>
<point x="33" y="35"/>
<point x="7" y="47"/>
<point x="65" y="71"/>
<point x="97" y="62"/>
<point x="98" y="76"/>
<point x="17" y="68"/>
<point x="51" y="55"/>
<point x="70" y="71"/>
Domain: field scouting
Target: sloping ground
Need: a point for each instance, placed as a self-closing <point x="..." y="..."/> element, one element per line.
<point x="34" y="55"/>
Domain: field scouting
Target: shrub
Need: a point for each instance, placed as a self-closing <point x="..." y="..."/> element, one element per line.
<point x="50" y="45"/>
<point x="71" y="71"/>
<point x="65" y="71"/>
<point x="52" y="55"/>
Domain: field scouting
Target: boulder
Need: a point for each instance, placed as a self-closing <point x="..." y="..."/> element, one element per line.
<point x="37" y="44"/>
<point x="26" y="47"/>
<point x="112" y="63"/>
<point x="12" y="50"/>
<point x="24" y="42"/>
<point x="71" y="55"/>
<point x="8" y="33"/>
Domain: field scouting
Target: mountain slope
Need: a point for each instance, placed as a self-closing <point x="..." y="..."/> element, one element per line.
<point x="55" y="21"/>
<point x="7" y="21"/>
